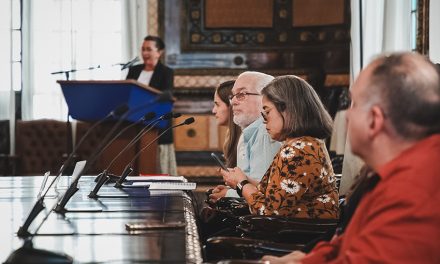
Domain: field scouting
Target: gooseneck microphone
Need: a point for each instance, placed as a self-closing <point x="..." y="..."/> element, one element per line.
<point x="128" y="169"/>
<point x="27" y="248"/>
<point x="39" y="204"/>
<point x="145" y="130"/>
<point x="73" y="188"/>
<point x="98" y="151"/>
<point x="103" y="177"/>
<point x="146" y="117"/>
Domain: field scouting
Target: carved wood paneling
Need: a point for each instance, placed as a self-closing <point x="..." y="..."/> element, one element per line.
<point x="237" y="14"/>
<point x="308" y="13"/>
<point x="244" y="25"/>
<point x="422" y="42"/>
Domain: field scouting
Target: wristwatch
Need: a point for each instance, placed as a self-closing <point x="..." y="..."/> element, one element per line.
<point x="240" y="186"/>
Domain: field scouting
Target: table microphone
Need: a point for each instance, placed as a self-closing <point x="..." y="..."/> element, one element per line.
<point x="103" y="177"/>
<point x="146" y="117"/>
<point x="39" y="204"/>
<point x="128" y="169"/>
<point x="117" y="112"/>
<point x="73" y="188"/>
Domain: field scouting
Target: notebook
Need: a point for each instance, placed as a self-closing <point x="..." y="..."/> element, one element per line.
<point x="168" y="185"/>
<point x="156" y="178"/>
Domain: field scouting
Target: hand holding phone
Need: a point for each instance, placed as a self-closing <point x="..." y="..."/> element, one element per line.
<point x="216" y="158"/>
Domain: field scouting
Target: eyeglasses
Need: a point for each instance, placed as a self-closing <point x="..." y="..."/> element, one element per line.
<point x="240" y="96"/>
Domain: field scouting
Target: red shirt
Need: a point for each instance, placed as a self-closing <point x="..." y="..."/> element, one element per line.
<point x="399" y="220"/>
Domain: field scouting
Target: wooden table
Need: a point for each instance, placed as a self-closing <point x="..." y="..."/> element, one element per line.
<point x="94" y="230"/>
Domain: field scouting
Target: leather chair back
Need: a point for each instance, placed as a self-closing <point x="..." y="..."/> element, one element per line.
<point x="40" y="146"/>
<point x="4" y="137"/>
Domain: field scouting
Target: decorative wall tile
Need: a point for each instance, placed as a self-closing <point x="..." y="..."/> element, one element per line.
<point x="153" y="18"/>
<point x="200" y="81"/>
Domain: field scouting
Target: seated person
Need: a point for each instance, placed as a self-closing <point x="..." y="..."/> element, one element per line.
<point x="223" y="113"/>
<point x="300" y="182"/>
<point x="394" y="127"/>
<point x="255" y="148"/>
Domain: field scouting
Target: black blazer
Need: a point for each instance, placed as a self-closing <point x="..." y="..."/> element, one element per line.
<point x="163" y="80"/>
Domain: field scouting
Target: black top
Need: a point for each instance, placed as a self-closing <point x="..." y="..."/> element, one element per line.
<point x="162" y="79"/>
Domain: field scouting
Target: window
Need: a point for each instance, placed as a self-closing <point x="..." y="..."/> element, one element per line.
<point x="414" y="25"/>
<point x="10" y="53"/>
<point x="70" y="35"/>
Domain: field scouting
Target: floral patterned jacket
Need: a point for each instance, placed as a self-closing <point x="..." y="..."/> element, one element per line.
<point x="300" y="182"/>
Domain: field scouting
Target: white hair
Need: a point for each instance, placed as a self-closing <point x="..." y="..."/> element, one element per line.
<point x="259" y="79"/>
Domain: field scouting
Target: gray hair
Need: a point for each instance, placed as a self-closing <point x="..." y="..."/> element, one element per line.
<point x="304" y="113"/>
<point x="260" y="80"/>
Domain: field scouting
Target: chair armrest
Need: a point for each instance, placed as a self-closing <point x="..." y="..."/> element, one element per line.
<point x="283" y="229"/>
<point x="245" y="248"/>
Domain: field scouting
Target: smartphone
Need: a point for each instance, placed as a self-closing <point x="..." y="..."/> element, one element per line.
<point x="222" y="165"/>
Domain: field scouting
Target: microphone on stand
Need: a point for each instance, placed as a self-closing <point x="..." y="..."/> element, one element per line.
<point x="129" y="63"/>
<point x="103" y="177"/>
<point x="27" y="253"/>
<point x="146" y="117"/>
<point x="128" y="169"/>
<point x="39" y="204"/>
<point x="60" y="208"/>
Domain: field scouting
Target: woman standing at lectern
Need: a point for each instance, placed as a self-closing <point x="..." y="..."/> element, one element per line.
<point x="153" y="73"/>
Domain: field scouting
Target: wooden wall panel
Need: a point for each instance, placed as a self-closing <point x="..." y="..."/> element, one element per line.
<point x="306" y="13"/>
<point x="238" y="14"/>
<point x="202" y="135"/>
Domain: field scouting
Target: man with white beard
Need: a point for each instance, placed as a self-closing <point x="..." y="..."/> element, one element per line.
<point x="255" y="149"/>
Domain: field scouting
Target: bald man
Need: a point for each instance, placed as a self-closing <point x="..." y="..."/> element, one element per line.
<point x="394" y="127"/>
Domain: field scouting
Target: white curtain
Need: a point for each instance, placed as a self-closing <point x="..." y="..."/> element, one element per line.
<point x="434" y="32"/>
<point x="7" y="56"/>
<point x="27" y="67"/>
<point x="385" y="29"/>
<point x="61" y="35"/>
<point x="135" y="27"/>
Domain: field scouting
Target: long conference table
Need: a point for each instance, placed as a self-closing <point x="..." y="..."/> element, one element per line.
<point x="98" y="230"/>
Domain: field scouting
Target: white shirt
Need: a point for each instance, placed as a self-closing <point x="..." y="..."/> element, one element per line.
<point x="145" y="77"/>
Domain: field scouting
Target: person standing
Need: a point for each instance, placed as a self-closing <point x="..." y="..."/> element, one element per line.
<point x="155" y="74"/>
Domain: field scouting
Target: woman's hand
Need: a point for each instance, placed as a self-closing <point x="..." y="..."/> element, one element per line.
<point x="217" y="193"/>
<point x="233" y="177"/>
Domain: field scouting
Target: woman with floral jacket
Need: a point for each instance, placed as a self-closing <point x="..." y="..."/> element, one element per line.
<point x="300" y="182"/>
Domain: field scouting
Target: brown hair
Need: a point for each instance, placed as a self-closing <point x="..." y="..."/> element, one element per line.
<point x="407" y="85"/>
<point x="233" y="133"/>
<point x="160" y="45"/>
<point x="304" y="113"/>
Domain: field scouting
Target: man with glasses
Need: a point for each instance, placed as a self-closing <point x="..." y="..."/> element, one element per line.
<point x="255" y="149"/>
